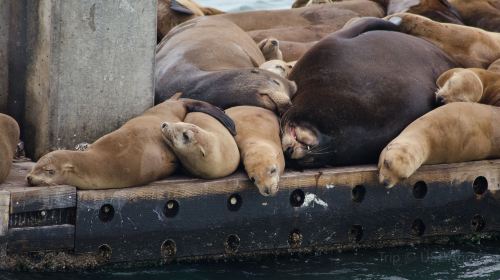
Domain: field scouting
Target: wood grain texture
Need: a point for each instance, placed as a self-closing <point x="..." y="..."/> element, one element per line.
<point x="4" y="212"/>
<point x="41" y="238"/>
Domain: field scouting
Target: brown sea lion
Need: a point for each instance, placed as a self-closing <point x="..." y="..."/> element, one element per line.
<point x="469" y="85"/>
<point x="438" y="10"/>
<point x="258" y="139"/>
<point x="471" y="47"/>
<point x="9" y="137"/>
<point x="135" y="154"/>
<point x="484" y="14"/>
<point x="213" y="60"/>
<point x="270" y="48"/>
<point x="346" y="115"/>
<point x="293" y="51"/>
<point x="279" y="67"/>
<point x="495" y="66"/>
<point x="204" y="146"/>
<point x="454" y="132"/>
<point x="171" y="13"/>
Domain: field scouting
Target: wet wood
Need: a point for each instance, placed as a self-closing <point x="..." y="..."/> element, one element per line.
<point x="59" y="237"/>
<point x="4" y="212"/>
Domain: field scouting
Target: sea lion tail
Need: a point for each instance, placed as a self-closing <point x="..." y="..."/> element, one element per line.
<point x="366" y="24"/>
<point x="213" y="111"/>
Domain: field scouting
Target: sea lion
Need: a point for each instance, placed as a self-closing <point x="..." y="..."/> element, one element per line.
<point x="204" y="146"/>
<point x="279" y="67"/>
<point x="454" y="132"/>
<point x="258" y="139"/>
<point x="484" y="14"/>
<point x="171" y="13"/>
<point x="469" y="85"/>
<point x="135" y="154"/>
<point x="303" y="24"/>
<point x="495" y="66"/>
<point x="292" y="51"/>
<point x="213" y="60"/>
<point x="270" y="48"/>
<point x="438" y="10"/>
<point x="347" y="114"/>
<point x="471" y="47"/>
<point x="9" y="137"/>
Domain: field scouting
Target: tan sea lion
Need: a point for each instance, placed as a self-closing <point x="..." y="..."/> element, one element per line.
<point x="258" y="139"/>
<point x="270" y="48"/>
<point x="484" y="14"/>
<point x="204" y="146"/>
<point x="455" y="132"/>
<point x="213" y="60"/>
<point x="495" y="66"/>
<point x="9" y="137"/>
<point x="469" y="85"/>
<point x="279" y="67"/>
<point x="135" y="154"/>
<point x="171" y="13"/>
<point x="470" y="47"/>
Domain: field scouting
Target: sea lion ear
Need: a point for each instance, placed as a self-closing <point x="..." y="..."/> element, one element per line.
<point x="202" y="151"/>
<point x="180" y="8"/>
<point x="68" y="167"/>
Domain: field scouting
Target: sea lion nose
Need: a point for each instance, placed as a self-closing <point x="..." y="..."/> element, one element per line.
<point x="274" y="42"/>
<point x="30" y="180"/>
<point x="439" y="100"/>
<point x="289" y="152"/>
<point x="164" y="125"/>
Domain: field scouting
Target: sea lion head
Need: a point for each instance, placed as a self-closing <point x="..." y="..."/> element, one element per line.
<point x="396" y="163"/>
<point x="278" y="67"/>
<point x="184" y="138"/>
<point x="304" y="144"/>
<point x="270" y="48"/>
<point x="264" y="167"/>
<point x="52" y="169"/>
<point x="458" y="85"/>
<point x="272" y="91"/>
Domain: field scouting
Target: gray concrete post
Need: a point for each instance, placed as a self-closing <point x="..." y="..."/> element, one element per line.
<point x="90" y="69"/>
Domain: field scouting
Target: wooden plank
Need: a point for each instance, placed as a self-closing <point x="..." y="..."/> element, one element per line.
<point x="29" y="199"/>
<point x="4" y="212"/>
<point x="60" y="237"/>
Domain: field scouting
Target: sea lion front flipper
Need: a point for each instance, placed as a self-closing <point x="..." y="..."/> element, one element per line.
<point x="216" y="112"/>
<point x="366" y="24"/>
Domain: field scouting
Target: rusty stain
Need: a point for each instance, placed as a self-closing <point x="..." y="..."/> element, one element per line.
<point x="92" y="17"/>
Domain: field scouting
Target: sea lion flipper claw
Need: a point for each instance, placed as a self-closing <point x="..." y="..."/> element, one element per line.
<point x="214" y="111"/>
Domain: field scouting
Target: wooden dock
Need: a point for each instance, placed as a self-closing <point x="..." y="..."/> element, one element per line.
<point x="189" y="219"/>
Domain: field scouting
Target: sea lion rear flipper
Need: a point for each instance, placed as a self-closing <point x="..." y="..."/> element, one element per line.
<point x="176" y="6"/>
<point x="366" y="24"/>
<point x="215" y="112"/>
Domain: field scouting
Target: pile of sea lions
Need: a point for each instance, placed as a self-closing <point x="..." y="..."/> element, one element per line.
<point x="393" y="82"/>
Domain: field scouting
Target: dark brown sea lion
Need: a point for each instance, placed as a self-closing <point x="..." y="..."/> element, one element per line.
<point x="484" y="14"/>
<point x="364" y="96"/>
<point x="9" y="137"/>
<point x="171" y="13"/>
<point x="213" y="60"/>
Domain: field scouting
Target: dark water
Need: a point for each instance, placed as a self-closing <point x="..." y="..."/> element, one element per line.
<point x="428" y="262"/>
